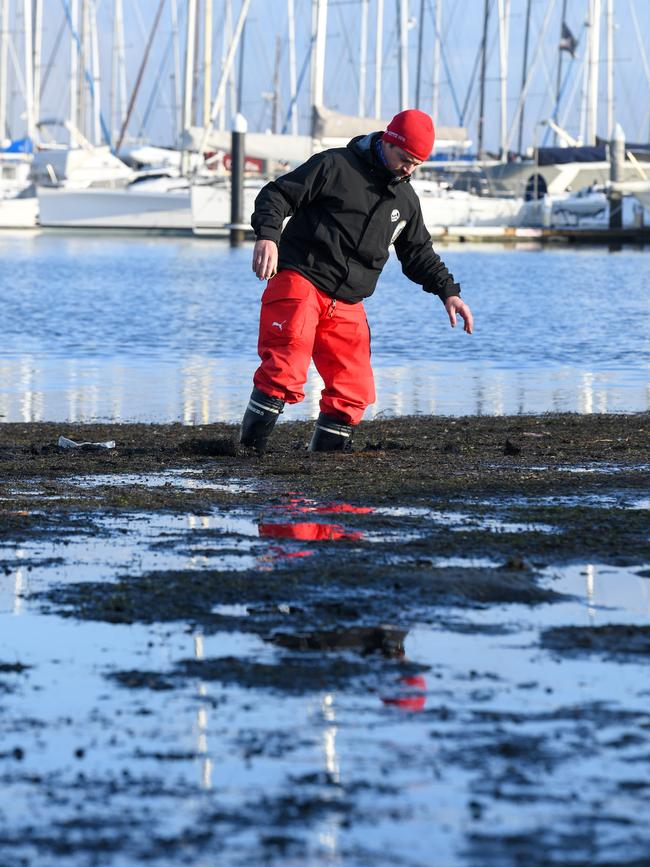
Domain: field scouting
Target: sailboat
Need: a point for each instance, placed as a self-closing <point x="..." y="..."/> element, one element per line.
<point x="86" y="184"/>
<point x="88" y="187"/>
<point x="18" y="203"/>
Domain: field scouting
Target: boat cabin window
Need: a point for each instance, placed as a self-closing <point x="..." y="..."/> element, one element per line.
<point x="535" y="188"/>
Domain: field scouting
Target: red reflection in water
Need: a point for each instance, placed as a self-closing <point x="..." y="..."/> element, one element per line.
<point x="301" y="504"/>
<point x="277" y="551"/>
<point x="413" y="698"/>
<point x="309" y="530"/>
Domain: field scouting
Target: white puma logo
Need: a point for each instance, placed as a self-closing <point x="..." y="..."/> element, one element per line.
<point x="278" y="324"/>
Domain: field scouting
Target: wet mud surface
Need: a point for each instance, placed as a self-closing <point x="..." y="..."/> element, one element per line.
<point x="434" y="643"/>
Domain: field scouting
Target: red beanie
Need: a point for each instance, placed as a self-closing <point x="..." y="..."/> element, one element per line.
<point x="413" y="131"/>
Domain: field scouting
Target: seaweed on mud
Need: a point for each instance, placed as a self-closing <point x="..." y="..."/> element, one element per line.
<point x="101" y="836"/>
<point x="135" y="679"/>
<point x="507" y="748"/>
<point x="387" y="641"/>
<point x="290" y="674"/>
<point x="13" y="667"/>
<point x="370" y="590"/>
<point x="594" y="713"/>
<point x="419" y="462"/>
<point x="271" y="744"/>
<point x="559" y="847"/>
<point x="620" y="640"/>
<point x="8" y="685"/>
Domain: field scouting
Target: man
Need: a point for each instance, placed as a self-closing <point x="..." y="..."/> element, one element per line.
<point x="346" y="207"/>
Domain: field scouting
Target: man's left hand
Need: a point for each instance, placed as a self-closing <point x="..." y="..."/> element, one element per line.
<point x="455" y="306"/>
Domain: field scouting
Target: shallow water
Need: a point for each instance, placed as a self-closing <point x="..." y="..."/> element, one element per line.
<point x="400" y="771"/>
<point x="164" y="329"/>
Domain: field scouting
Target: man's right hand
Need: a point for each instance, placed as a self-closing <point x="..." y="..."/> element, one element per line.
<point x="265" y="259"/>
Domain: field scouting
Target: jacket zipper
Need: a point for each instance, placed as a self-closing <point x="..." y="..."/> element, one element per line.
<point x="369" y="219"/>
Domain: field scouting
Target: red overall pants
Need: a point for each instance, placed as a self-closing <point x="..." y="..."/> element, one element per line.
<point x="298" y="322"/>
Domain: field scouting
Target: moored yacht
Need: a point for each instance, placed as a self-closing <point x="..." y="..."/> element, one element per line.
<point x="18" y="202"/>
<point x="88" y="187"/>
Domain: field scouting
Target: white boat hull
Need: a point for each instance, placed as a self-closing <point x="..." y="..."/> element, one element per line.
<point x="115" y="209"/>
<point x="459" y="208"/>
<point x="19" y="213"/>
<point x="211" y="206"/>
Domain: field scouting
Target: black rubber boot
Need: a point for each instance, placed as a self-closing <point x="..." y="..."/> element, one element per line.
<point x="330" y="435"/>
<point x="259" y="420"/>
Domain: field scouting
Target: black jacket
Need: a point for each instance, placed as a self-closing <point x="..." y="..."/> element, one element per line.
<point x="346" y="209"/>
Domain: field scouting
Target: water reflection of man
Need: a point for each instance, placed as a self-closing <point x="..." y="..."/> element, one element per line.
<point x="347" y="206"/>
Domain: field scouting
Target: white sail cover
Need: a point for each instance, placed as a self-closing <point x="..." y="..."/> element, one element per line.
<point x="329" y="129"/>
<point x="333" y="129"/>
<point x="292" y="149"/>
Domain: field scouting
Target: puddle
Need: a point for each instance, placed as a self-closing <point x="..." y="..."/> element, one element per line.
<point x="303" y="505"/>
<point x="231" y="610"/>
<point x="355" y="743"/>
<point x="607" y="469"/>
<point x="607" y="594"/>
<point x="444" y="562"/>
<point x="184" y="480"/>
<point x="128" y="544"/>
<point x="454" y="520"/>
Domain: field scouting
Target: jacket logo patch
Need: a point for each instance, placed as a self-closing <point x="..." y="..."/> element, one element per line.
<point x="394" y="217"/>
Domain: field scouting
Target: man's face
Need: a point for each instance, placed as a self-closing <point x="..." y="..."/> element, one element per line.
<point x="399" y="161"/>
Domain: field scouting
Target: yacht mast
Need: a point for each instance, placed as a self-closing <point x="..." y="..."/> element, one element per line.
<point x="402" y="28"/>
<point x="363" y="57"/>
<point x="610" y="69"/>
<point x="584" y="94"/>
<point x="138" y="81"/>
<point x="195" y="66"/>
<point x="74" y="64"/>
<point x="29" y="68"/>
<point x="481" y="111"/>
<point x="242" y="68"/>
<point x="231" y="75"/>
<point x="504" y="17"/>
<point x="379" y="40"/>
<point x="275" y="100"/>
<point x="558" y="82"/>
<point x="594" y="60"/>
<point x="435" y="106"/>
<point x="81" y="71"/>
<point x="118" y="72"/>
<point x="418" y="73"/>
<point x="94" y="55"/>
<point x="4" y="65"/>
<point x="224" y="48"/>
<point x="187" y="91"/>
<point x="550" y="6"/>
<point x="293" y="86"/>
<point x="207" y="60"/>
<point x="225" y="73"/>
<point x="524" y="72"/>
<point x="38" y="54"/>
<point x="176" y="75"/>
<point x="319" y="31"/>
